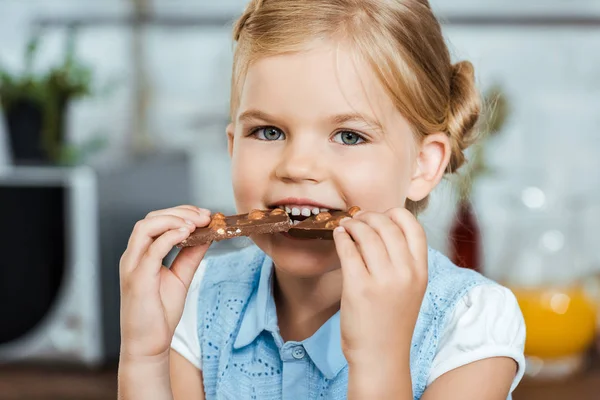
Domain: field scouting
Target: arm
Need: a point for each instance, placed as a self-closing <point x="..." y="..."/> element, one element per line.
<point x="186" y="379"/>
<point x="379" y="312"/>
<point x="488" y="379"/>
<point x="153" y="297"/>
<point x="384" y="267"/>
<point x="168" y="377"/>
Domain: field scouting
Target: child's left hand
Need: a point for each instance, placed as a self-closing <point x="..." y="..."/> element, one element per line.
<point x="384" y="280"/>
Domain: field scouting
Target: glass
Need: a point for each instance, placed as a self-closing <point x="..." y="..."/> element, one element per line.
<point x="548" y="269"/>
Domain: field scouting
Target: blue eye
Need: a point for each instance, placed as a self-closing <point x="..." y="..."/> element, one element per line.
<point x="348" y="138"/>
<point x="269" y="133"/>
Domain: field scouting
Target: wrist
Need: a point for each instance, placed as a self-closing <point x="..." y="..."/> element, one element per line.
<point x="144" y="377"/>
<point x="378" y="356"/>
<point x="126" y="356"/>
<point x="386" y="377"/>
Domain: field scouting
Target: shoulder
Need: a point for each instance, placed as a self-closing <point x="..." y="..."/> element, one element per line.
<point x="489" y="300"/>
<point x="442" y="269"/>
<point x="448" y="283"/>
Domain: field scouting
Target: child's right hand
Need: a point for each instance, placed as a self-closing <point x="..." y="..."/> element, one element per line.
<point x="152" y="296"/>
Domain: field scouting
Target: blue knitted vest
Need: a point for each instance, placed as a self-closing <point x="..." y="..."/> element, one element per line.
<point x="256" y="371"/>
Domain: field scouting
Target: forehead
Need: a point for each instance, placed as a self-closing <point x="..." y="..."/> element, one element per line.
<point x="326" y="79"/>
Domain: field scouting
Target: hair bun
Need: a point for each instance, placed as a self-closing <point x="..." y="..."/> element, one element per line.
<point x="463" y="113"/>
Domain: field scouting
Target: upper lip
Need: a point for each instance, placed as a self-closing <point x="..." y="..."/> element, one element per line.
<point x="301" y="202"/>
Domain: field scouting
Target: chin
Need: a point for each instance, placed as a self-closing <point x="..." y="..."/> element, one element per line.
<point x="301" y="258"/>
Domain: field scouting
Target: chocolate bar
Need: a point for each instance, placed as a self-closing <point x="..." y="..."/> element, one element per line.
<point x="321" y="226"/>
<point x="255" y="222"/>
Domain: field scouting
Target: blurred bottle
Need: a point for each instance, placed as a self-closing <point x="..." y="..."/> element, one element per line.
<point x="465" y="238"/>
<point x="548" y="271"/>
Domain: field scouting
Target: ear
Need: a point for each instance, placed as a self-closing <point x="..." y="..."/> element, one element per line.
<point x="431" y="162"/>
<point x="230" y="134"/>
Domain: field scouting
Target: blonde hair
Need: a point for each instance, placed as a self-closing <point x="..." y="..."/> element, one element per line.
<point x="400" y="39"/>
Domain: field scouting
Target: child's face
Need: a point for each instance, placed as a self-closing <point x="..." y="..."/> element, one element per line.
<point x="317" y="130"/>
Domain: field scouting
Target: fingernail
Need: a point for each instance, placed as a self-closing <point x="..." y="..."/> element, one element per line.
<point x="339" y="229"/>
<point x="345" y="219"/>
<point x="187" y="221"/>
<point x="184" y="229"/>
<point x="358" y="213"/>
<point x="203" y="211"/>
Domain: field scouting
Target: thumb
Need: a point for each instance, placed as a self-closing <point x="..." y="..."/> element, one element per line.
<point x="187" y="261"/>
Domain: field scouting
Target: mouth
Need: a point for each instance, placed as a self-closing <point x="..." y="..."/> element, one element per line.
<point x="299" y="211"/>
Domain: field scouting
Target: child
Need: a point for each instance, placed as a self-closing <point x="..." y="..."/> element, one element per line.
<point x="334" y="103"/>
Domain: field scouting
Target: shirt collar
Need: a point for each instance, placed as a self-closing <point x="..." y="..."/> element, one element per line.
<point x="260" y="313"/>
<point x="324" y="347"/>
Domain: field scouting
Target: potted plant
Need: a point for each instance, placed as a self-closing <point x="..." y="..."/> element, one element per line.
<point x="35" y="106"/>
<point x="464" y="236"/>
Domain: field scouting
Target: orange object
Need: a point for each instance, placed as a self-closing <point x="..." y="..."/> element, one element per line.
<point x="561" y="321"/>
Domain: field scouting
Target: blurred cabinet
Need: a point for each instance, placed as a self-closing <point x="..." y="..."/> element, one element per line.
<point x="63" y="232"/>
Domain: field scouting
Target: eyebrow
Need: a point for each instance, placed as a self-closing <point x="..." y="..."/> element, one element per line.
<point x="336" y="119"/>
<point x="343" y="118"/>
<point x="256" y="115"/>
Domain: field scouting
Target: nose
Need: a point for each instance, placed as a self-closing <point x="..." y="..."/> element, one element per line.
<point x="300" y="162"/>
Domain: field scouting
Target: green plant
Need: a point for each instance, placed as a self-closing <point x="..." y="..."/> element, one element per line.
<point x="51" y="91"/>
<point x="493" y="118"/>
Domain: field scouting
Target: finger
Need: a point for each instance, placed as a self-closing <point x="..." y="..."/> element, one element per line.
<point x="198" y="217"/>
<point x="413" y="232"/>
<point x="369" y="244"/>
<point x="151" y="262"/>
<point x="353" y="266"/>
<point x="187" y="261"/>
<point x="391" y="235"/>
<point x="194" y="208"/>
<point x="144" y="233"/>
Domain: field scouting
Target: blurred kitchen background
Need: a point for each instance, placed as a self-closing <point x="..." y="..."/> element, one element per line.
<point x="112" y="108"/>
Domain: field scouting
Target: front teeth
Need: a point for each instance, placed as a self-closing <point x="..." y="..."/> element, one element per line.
<point x="304" y="211"/>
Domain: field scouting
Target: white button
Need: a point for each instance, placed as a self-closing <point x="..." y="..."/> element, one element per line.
<point x="298" y="353"/>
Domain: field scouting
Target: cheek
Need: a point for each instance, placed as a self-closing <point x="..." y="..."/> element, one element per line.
<point x="249" y="175"/>
<point x="377" y="181"/>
